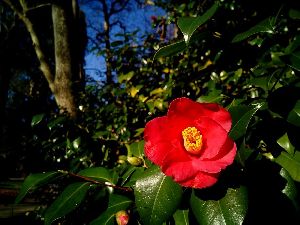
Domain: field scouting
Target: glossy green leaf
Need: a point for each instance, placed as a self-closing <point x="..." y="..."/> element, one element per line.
<point x="291" y="163"/>
<point x="116" y="203"/>
<point x="170" y="50"/>
<point x="137" y="148"/>
<point x="285" y="143"/>
<point x="295" y="43"/>
<point x="290" y="189"/>
<point x="76" y="143"/>
<point x="295" y="60"/>
<point x="157" y="196"/>
<point x="241" y="116"/>
<point x="181" y="217"/>
<point x="55" y="122"/>
<point x="294" y="115"/>
<point x="97" y="173"/>
<point x="188" y="25"/>
<point x="243" y="154"/>
<point x="67" y="201"/>
<point x="34" y="181"/>
<point x="132" y="175"/>
<point x="229" y="210"/>
<point x="267" y="25"/>
<point x="37" y="119"/>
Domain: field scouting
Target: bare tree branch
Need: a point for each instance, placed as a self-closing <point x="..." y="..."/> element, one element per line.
<point x="44" y="66"/>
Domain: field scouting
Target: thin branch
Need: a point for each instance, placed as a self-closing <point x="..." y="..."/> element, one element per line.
<point x="113" y="10"/>
<point x="44" y="66"/>
<point x="99" y="182"/>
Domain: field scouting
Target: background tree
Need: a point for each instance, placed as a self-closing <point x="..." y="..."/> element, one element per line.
<point x="66" y="72"/>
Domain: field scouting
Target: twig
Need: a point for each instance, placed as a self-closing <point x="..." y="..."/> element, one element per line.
<point x="99" y="182"/>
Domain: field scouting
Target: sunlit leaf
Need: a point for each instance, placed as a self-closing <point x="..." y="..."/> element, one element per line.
<point x="241" y="116"/>
<point x="137" y="148"/>
<point x="76" y="143"/>
<point x="229" y="210"/>
<point x="116" y="203"/>
<point x="66" y="202"/>
<point x="170" y="50"/>
<point x="181" y="217"/>
<point x="157" y="196"/>
<point x="294" y="115"/>
<point x="264" y="26"/>
<point x="291" y="163"/>
<point x="33" y="181"/>
<point x="290" y="189"/>
<point x="97" y="173"/>
<point x="125" y="77"/>
<point x="188" y="25"/>
<point x="285" y="143"/>
<point x="37" y="119"/>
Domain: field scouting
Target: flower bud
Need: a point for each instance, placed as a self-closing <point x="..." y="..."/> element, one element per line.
<point x="122" y="217"/>
<point x="135" y="161"/>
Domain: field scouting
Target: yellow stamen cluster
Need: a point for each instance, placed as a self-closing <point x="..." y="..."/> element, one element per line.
<point x="192" y="140"/>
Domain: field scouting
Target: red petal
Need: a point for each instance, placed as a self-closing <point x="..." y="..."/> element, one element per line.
<point x="215" y="165"/>
<point x="214" y="137"/>
<point x="155" y="130"/>
<point x="180" y="171"/>
<point x="218" y="114"/>
<point x="202" y="180"/>
<point x="192" y="110"/>
<point x="157" y="151"/>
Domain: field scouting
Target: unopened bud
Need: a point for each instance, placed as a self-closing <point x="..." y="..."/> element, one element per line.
<point x="122" y="217"/>
<point x="135" y="161"/>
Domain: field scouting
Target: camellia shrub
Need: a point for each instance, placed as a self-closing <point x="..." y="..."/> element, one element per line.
<point x="226" y="152"/>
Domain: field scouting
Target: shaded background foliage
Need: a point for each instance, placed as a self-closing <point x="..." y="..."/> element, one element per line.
<point x="245" y="57"/>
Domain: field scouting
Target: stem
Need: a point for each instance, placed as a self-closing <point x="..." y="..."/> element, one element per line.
<point x="99" y="182"/>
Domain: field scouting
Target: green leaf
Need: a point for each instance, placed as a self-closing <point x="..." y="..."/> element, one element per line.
<point x="97" y="173"/>
<point x="188" y="25"/>
<point x="76" y="143"/>
<point x="291" y="163"/>
<point x="170" y="50"/>
<point x="229" y="210"/>
<point x="37" y="119"/>
<point x="295" y="60"/>
<point x="136" y="149"/>
<point x="264" y="26"/>
<point x="285" y="143"/>
<point x="116" y="203"/>
<point x="125" y="77"/>
<point x="213" y="96"/>
<point x="34" y="181"/>
<point x="290" y="189"/>
<point x="241" y="116"/>
<point x="181" y="217"/>
<point x="67" y="201"/>
<point x="243" y="153"/>
<point x="157" y="196"/>
<point x="294" y="115"/>
<point x="116" y="43"/>
<point x="294" y="14"/>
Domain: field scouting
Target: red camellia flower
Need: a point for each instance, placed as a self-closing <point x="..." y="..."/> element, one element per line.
<point x="191" y="142"/>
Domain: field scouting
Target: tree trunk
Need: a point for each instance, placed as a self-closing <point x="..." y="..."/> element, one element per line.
<point x="64" y="71"/>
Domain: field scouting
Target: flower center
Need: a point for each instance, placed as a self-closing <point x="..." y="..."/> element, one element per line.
<point x="192" y="140"/>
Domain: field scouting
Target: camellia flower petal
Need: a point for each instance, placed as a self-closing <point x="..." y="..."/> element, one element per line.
<point x="191" y="143"/>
